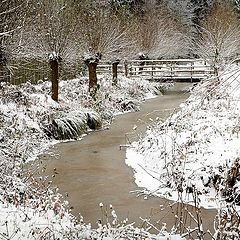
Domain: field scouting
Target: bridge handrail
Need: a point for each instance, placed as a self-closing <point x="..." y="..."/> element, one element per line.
<point x="168" y="60"/>
<point x="169" y="66"/>
<point x="174" y="70"/>
<point x="161" y="68"/>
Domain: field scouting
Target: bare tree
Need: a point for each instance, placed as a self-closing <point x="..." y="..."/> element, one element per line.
<point x="182" y="11"/>
<point x="219" y="36"/>
<point x="104" y="37"/>
<point x="50" y="35"/>
<point x="11" y="21"/>
<point x="161" y="36"/>
<point x="127" y="7"/>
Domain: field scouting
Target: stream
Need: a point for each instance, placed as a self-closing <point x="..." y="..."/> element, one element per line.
<point x="93" y="170"/>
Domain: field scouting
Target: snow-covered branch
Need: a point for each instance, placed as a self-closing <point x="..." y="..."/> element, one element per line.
<point x="162" y="36"/>
<point x="103" y="33"/>
<point x="50" y="30"/>
<point x="219" y="36"/>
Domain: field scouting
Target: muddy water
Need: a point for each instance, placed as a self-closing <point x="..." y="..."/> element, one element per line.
<point x="93" y="170"/>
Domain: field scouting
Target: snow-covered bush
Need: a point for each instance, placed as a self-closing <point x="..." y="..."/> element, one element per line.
<point x="196" y="148"/>
<point x="73" y="125"/>
<point x="227" y="224"/>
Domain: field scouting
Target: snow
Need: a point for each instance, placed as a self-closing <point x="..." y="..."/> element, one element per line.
<point x="195" y="148"/>
<point x="26" y="223"/>
<point x="54" y="56"/>
<point x="30" y="208"/>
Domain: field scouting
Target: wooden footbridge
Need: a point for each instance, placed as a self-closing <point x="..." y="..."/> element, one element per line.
<point x="176" y="69"/>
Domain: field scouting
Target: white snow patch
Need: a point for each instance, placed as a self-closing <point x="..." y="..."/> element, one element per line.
<point x="194" y="146"/>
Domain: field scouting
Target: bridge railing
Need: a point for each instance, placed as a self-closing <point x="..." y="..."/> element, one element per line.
<point x="162" y="69"/>
<point x="34" y="70"/>
<point x="104" y="67"/>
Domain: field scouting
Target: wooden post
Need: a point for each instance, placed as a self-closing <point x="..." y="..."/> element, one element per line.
<point x="2" y="73"/>
<point x="142" y="57"/>
<point x="130" y="70"/>
<point x="115" y="70"/>
<point x="142" y="63"/>
<point x="54" y="78"/>
<point x="191" y="71"/>
<point x="171" y="68"/>
<point x="152" y="70"/>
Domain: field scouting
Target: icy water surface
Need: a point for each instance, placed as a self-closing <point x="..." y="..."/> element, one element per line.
<point x="93" y="170"/>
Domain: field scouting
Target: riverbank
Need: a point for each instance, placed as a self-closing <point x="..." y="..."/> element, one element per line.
<point x="29" y="205"/>
<point x="93" y="170"/>
<point x="193" y="157"/>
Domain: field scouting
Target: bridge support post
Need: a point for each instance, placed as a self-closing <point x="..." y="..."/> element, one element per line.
<point x="153" y="68"/>
<point x="191" y="72"/>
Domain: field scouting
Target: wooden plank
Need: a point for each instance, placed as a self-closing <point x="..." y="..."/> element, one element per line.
<point x="108" y="66"/>
<point x="172" y="77"/>
<point x="173" y="71"/>
<point x="168" y="60"/>
<point x="174" y="66"/>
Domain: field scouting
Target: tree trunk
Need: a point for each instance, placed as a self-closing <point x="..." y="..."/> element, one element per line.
<point x="54" y="78"/>
<point x="126" y="68"/>
<point x="1" y="65"/>
<point x="115" y="71"/>
<point x="4" y="71"/>
<point x="92" y="72"/>
<point x="216" y="65"/>
<point x="92" y="63"/>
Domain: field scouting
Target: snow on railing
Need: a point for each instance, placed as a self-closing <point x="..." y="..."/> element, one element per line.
<point x="162" y="69"/>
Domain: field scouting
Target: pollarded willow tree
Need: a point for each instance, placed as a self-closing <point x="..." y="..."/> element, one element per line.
<point x="49" y="35"/>
<point x="103" y="36"/>
<point x="160" y="34"/>
<point x="219" y="35"/>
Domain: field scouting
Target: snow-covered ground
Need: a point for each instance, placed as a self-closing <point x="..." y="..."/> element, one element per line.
<point x="196" y="150"/>
<point x="29" y="120"/>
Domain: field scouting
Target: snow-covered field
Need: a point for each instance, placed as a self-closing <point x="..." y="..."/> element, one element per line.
<point x="30" y="122"/>
<point x="196" y="150"/>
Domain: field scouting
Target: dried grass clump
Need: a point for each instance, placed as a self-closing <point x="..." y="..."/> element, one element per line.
<point x="73" y="125"/>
